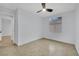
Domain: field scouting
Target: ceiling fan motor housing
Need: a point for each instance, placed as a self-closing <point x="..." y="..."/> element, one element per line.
<point x="49" y="10"/>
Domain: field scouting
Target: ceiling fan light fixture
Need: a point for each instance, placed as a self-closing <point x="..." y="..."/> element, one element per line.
<point x="44" y="9"/>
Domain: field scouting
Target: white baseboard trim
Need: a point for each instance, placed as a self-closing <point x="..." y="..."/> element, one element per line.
<point x="25" y="42"/>
<point x="59" y="40"/>
<point x="77" y="49"/>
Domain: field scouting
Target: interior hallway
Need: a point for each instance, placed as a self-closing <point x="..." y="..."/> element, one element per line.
<point x="41" y="47"/>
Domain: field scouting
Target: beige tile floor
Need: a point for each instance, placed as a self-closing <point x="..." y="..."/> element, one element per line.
<point x="41" y="47"/>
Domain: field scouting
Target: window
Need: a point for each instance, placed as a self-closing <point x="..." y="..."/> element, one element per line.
<point x="55" y="24"/>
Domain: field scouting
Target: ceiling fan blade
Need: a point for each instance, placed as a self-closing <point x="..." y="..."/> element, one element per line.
<point x="49" y="10"/>
<point x="43" y="5"/>
<point x="38" y="11"/>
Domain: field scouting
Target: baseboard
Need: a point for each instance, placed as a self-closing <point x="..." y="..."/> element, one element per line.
<point x="59" y="41"/>
<point x="15" y="43"/>
<point x="76" y="49"/>
<point x="26" y="42"/>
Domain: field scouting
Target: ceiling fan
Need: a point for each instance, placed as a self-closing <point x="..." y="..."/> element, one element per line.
<point x="44" y="8"/>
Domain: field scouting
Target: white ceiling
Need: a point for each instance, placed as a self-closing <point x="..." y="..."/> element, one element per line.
<point x="34" y="7"/>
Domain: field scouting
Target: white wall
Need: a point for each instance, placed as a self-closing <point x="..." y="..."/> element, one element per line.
<point x="0" y="24"/>
<point x="68" y="25"/>
<point x="6" y="27"/>
<point x="6" y="21"/>
<point x="16" y="26"/>
<point x="77" y="29"/>
<point x="6" y="11"/>
<point x="0" y="28"/>
<point x="29" y="27"/>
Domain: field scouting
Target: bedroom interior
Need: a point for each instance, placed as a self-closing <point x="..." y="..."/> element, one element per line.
<point x="39" y="29"/>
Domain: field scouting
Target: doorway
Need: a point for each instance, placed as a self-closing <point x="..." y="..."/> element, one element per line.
<point x="7" y="31"/>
